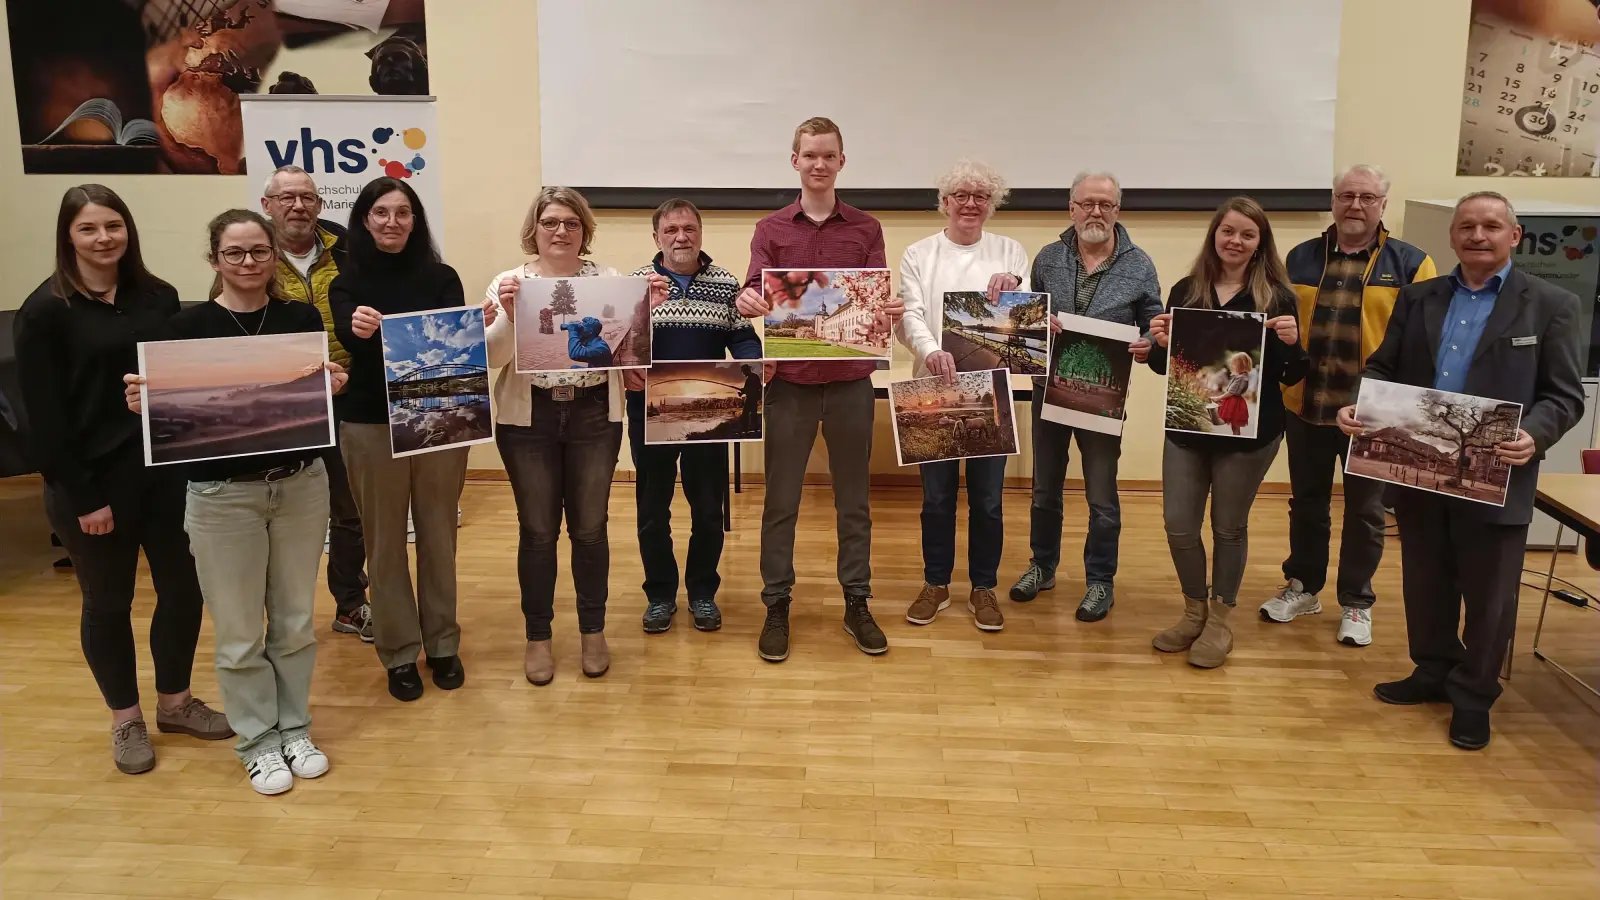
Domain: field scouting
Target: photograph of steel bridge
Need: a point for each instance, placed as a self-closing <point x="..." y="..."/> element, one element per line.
<point x="437" y="367"/>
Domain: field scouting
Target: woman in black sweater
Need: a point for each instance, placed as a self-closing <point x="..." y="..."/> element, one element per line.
<point x="393" y="267"/>
<point x="1238" y="270"/>
<point x="256" y="522"/>
<point x="76" y="336"/>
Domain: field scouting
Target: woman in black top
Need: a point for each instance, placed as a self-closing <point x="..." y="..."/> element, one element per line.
<point x="393" y="267"/>
<point x="76" y="336"/>
<point x="256" y="523"/>
<point x="1239" y="270"/>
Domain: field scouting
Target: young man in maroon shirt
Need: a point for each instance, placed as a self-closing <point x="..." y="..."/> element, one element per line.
<point x="816" y="231"/>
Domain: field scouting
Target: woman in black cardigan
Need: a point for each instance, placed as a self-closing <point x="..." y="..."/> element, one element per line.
<point x="1238" y="270"/>
<point x="394" y="267"/>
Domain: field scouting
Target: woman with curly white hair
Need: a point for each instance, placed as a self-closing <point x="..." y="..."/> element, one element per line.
<point x="962" y="257"/>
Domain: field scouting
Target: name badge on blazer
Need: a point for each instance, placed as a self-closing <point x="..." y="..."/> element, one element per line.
<point x="1528" y="341"/>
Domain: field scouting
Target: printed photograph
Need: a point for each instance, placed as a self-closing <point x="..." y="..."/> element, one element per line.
<point x="1435" y="441"/>
<point x="695" y="402"/>
<point x="598" y="322"/>
<point x="1014" y="333"/>
<point x="934" y="421"/>
<point x="152" y="86"/>
<point x="826" y="313"/>
<point x="1090" y="369"/>
<point x="436" y="365"/>
<point x="239" y="396"/>
<point x="1214" y="371"/>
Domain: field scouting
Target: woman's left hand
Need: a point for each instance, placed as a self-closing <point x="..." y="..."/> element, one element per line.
<point x="491" y="312"/>
<point x="1287" y="327"/>
<point x="659" y="288"/>
<point x="633" y="379"/>
<point x="337" y="376"/>
<point x="132" y="392"/>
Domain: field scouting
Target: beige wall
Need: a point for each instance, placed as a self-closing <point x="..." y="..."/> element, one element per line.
<point x="1398" y="105"/>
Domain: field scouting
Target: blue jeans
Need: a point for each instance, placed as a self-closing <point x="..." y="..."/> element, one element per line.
<point x="986" y="479"/>
<point x="1100" y="455"/>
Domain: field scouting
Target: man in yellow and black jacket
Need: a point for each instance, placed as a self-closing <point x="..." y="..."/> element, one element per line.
<point x="1346" y="282"/>
<point x="310" y="253"/>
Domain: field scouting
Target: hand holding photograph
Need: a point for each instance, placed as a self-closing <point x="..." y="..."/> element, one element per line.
<point x="936" y="421"/>
<point x="1214" y="371"/>
<point x="436" y="366"/>
<point x="237" y="396"/>
<point x="1014" y="333"/>
<point x="1434" y="441"/>
<point x="822" y="314"/>
<point x="1090" y="369"/>
<point x="702" y="402"/>
<point x="596" y="322"/>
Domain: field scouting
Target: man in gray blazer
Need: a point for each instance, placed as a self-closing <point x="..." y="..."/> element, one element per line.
<point x="1490" y="330"/>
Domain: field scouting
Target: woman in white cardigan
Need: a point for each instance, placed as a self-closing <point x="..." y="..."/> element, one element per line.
<point x="961" y="257"/>
<point x="559" y="434"/>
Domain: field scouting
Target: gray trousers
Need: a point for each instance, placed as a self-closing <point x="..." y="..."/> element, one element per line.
<point x="844" y="409"/>
<point x="404" y="622"/>
<point x="1231" y="478"/>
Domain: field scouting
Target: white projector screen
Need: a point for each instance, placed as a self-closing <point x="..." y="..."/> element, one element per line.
<point x="1176" y="96"/>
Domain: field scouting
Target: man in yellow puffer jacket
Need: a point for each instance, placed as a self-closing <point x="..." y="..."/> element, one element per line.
<point x="308" y="260"/>
<point x="1346" y="281"/>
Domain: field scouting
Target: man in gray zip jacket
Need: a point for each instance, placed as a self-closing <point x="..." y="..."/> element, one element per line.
<point x="1095" y="270"/>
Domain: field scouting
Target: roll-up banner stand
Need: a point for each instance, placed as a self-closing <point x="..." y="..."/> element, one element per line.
<point x="344" y="142"/>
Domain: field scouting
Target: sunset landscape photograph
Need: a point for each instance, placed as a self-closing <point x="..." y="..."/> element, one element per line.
<point x="222" y="397"/>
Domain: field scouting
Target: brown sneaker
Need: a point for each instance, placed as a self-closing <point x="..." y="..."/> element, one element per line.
<point x="195" y="719"/>
<point x="985" y="609"/>
<point x="130" y="748"/>
<point x="538" y="663"/>
<point x="933" y="600"/>
<point x="596" y="655"/>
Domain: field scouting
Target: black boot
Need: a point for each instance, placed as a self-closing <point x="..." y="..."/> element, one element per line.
<point x="859" y="625"/>
<point x="774" y="644"/>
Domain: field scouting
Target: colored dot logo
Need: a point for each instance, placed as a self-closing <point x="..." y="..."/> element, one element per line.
<point x="414" y="139"/>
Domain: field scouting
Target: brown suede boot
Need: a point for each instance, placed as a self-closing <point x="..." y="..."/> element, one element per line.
<point x="538" y="663"/>
<point x="1211" y="649"/>
<point x="596" y="655"/>
<point x="1178" y="638"/>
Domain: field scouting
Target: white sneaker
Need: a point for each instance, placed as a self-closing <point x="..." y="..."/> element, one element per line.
<point x="1355" y="627"/>
<point x="269" y="774"/>
<point x="305" y="760"/>
<point x="1290" y="602"/>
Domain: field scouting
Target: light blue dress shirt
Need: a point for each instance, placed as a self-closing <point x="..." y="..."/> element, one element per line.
<point x="1463" y="327"/>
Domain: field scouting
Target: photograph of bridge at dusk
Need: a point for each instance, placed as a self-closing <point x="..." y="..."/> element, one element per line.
<point x="437" y="367"/>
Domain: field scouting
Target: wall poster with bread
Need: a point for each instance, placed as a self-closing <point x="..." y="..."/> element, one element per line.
<point x="152" y="87"/>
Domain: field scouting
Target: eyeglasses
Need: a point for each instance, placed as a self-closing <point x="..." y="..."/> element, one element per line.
<point x="1349" y="199"/>
<point x="561" y="224"/>
<point x="234" y="256"/>
<point x="962" y="198"/>
<point x="289" y="200"/>
<point x="1093" y="206"/>
<point x="401" y="215"/>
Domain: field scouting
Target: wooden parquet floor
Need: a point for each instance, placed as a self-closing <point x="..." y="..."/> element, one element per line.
<point x="1052" y="760"/>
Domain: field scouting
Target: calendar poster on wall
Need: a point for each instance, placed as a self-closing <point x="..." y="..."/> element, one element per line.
<point x="1531" y="96"/>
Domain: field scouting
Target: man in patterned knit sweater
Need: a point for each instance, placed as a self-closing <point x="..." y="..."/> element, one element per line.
<point x="697" y="321"/>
